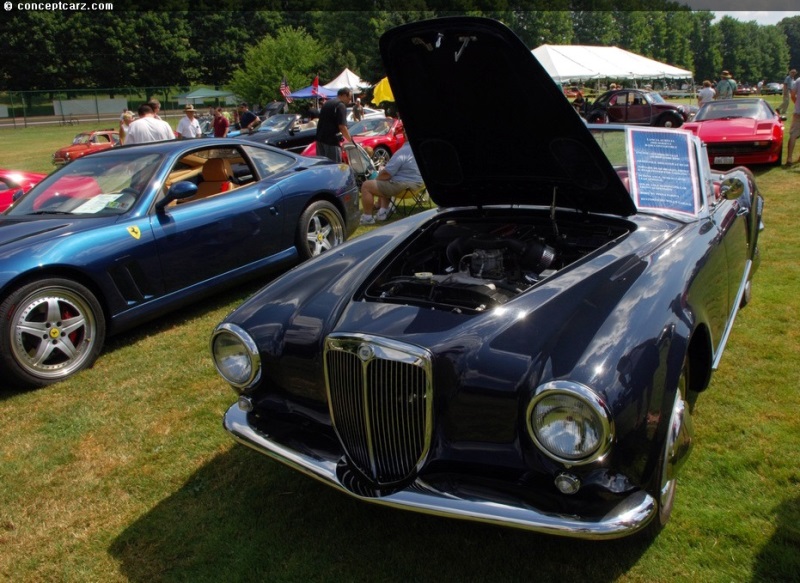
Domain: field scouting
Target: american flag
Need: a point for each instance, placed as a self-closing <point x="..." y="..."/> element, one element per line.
<point x="315" y="86"/>
<point x="285" y="91"/>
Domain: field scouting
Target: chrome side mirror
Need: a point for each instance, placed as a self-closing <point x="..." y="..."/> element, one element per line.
<point x="731" y="188"/>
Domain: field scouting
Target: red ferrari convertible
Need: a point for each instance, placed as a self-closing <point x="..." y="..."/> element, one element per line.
<point x="739" y="132"/>
<point x="384" y="135"/>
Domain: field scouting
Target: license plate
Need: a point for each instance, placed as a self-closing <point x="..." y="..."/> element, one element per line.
<point x="723" y="159"/>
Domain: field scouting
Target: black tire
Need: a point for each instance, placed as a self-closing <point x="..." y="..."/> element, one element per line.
<point x="598" y="118"/>
<point x="665" y="482"/>
<point x="49" y="330"/>
<point x="381" y="156"/>
<point x="669" y="121"/>
<point x="319" y="229"/>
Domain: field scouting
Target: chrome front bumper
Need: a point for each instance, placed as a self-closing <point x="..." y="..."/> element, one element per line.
<point x="628" y="517"/>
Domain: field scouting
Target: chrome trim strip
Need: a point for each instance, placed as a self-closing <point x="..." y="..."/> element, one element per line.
<point x="732" y="318"/>
<point x="628" y="517"/>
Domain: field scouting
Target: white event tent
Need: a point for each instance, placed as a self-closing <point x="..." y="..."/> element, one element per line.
<point x="347" y="79"/>
<point x="570" y="63"/>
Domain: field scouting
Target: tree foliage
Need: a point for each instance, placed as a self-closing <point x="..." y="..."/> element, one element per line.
<point x="292" y="53"/>
<point x="250" y="52"/>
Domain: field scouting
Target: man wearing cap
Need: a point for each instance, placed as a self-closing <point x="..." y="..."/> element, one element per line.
<point x="189" y="127"/>
<point x="726" y="86"/>
<point x="358" y="110"/>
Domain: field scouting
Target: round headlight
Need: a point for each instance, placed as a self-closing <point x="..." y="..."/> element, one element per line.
<point x="235" y="356"/>
<point x="570" y="423"/>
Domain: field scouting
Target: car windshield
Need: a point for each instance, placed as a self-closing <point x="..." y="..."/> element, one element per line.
<point x="374" y="126"/>
<point x="91" y="186"/>
<point x="82" y="139"/>
<point x="277" y="123"/>
<point x="659" y="168"/>
<point x="730" y="110"/>
<point x="654" y="97"/>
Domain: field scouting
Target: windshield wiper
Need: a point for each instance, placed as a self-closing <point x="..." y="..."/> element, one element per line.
<point x="49" y="213"/>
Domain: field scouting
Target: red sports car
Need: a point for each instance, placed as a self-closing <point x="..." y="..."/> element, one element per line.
<point x="739" y="132"/>
<point x="384" y="135"/>
<point x="13" y="182"/>
<point x="86" y="143"/>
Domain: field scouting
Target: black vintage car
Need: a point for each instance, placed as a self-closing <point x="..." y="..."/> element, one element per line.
<point x="634" y="106"/>
<point x="287" y="131"/>
<point x="529" y="353"/>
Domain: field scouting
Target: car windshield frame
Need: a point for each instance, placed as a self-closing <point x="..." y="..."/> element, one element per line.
<point x="370" y="127"/>
<point x="643" y="156"/>
<point x="732" y="110"/>
<point x="91" y="186"/>
<point x="278" y="123"/>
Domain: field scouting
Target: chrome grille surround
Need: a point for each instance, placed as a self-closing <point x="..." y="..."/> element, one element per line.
<point x="380" y="401"/>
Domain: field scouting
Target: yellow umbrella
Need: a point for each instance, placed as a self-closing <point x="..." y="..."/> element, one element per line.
<point x="382" y="91"/>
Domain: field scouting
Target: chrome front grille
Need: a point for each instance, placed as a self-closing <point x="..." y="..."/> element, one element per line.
<point x="379" y="393"/>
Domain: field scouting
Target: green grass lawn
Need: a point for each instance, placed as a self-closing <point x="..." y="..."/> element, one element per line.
<point x="124" y="473"/>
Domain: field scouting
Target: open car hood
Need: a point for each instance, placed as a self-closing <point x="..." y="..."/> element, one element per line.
<point x="449" y="77"/>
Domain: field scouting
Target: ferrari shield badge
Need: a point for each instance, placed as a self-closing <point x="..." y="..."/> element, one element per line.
<point x="135" y="232"/>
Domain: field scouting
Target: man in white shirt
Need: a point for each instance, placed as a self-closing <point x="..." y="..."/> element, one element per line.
<point x="189" y="127"/>
<point x="148" y="128"/>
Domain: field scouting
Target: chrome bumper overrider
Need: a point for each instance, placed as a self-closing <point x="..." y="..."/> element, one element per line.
<point x="629" y="516"/>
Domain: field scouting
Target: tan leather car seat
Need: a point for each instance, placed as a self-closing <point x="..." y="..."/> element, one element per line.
<point x="217" y="175"/>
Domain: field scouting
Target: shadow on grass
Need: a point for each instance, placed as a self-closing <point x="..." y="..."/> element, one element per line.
<point x="244" y="517"/>
<point x="779" y="560"/>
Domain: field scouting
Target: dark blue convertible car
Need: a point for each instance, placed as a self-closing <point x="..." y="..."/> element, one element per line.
<point x="124" y="235"/>
<point x="528" y="354"/>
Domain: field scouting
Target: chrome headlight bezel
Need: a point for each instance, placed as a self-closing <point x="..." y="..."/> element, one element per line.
<point x="240" y="368"/>
<point x="601" y="421"/>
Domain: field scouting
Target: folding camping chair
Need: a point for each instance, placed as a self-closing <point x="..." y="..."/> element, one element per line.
<point x="419" y="200"/>
<point x="362" y="165"/>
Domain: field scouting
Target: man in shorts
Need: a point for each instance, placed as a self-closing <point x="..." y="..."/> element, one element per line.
<point x="794" y="133"/>
<point x="399" y="174"/>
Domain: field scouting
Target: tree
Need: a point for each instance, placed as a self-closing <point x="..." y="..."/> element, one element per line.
<point x="219" y="39"/>
<point x="791" y="29"/>
<point x="292" y="53"/>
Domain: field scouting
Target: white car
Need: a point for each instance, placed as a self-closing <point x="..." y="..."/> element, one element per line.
<point x="368" y="112"/>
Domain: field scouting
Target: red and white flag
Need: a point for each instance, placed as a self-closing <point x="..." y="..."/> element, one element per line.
<point x="315" y="86"/>
<point x="285" y="91"/>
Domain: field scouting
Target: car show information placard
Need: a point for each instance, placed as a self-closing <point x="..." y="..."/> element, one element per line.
<point x="663" y="170"/>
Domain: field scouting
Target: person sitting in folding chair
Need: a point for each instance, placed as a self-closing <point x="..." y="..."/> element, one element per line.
<point x="399" y="177"/>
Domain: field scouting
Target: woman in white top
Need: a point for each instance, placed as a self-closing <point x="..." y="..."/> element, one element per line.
<point x="707" y="93"/>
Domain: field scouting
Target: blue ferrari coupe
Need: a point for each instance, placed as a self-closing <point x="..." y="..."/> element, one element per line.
<point x="122" y="236"/>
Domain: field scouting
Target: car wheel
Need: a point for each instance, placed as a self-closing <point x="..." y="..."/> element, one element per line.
<point x="676" y="441"/>
<point x="669" y="121"/>
<point x="381" y="156"/>
<point x="321" y="228"/>
<point x="599" y="118"/>
<point x="49" y="330"/>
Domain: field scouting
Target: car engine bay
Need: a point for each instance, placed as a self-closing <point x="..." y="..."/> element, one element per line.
<point x="470" y="265"/>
